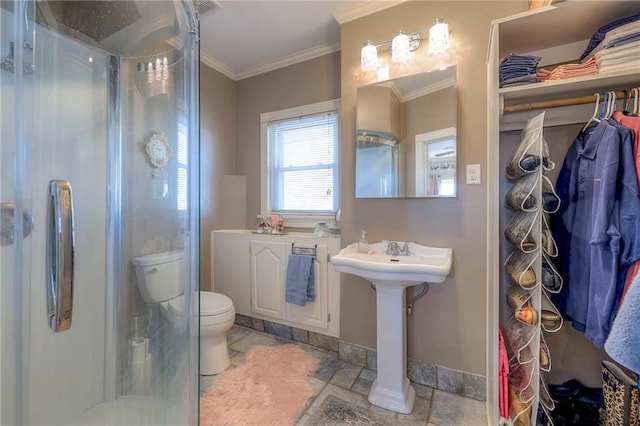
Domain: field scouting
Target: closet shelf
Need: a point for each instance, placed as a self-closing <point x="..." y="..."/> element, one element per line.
<point x="564" y="22"/>
<point x="579" y="86"/>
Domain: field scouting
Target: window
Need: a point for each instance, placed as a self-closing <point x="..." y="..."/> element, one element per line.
<point x="182" y="156"/>
<point x="300" y="163"/>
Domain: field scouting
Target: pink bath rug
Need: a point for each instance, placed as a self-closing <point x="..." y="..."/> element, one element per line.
<point x="270" y="388"/>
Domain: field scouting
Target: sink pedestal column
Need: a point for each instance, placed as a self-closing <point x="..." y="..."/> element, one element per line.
<point x="391" y="389"/>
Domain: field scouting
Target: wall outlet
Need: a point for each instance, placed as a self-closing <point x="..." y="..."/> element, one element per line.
<point x="473" y="174"/>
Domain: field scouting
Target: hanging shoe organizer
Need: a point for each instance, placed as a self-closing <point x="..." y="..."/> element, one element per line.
<point x="531" y="275"/>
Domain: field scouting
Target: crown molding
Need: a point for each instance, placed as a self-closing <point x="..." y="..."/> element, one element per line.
<point x="305" y="55"/>
<point x="448" y="82"/>
<point x="391" y="85"/>
<point x="212" y="62"/>
<point x="363" y="9"/>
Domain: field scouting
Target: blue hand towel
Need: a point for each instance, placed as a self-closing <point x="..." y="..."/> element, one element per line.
<point x="623" y="342"/>
<point x="300" y="280"/>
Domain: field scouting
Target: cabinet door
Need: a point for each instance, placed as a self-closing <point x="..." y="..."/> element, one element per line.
<point x="314" y="313"/>
<point x="268" y="269"/>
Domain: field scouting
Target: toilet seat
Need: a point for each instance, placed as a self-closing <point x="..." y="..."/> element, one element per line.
<point x="211" y="304"/>
<point x="214" y="303"/>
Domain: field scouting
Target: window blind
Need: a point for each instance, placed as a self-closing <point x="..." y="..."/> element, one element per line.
<point x="303" y="165"/>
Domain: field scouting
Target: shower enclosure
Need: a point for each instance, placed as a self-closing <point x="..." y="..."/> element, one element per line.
<point x="99" y="165"/>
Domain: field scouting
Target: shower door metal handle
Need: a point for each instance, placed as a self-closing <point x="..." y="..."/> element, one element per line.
<point x="60" y="252"/>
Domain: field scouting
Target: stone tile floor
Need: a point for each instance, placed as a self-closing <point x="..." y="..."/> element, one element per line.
<point x="341" y="390"/>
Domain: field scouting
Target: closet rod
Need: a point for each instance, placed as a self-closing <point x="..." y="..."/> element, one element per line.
<point x="556" y="103"/>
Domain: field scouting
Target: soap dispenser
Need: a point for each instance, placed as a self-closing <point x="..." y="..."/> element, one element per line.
<point x="363" y="244"/>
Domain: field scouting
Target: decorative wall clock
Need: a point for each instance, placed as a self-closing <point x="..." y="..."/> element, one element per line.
<point x="158" y="150"/>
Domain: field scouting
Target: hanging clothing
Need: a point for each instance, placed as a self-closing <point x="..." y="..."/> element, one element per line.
<point x="614" y="242"/>
<point x="633" y="123"/>
<point x="596" y="226"/>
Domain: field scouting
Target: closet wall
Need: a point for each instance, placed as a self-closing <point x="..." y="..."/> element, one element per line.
<point x="559" y="34"/>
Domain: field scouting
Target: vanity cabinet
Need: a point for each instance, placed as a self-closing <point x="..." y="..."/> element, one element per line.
<point x="251" y="269"/>
<point x="269" y="263"/>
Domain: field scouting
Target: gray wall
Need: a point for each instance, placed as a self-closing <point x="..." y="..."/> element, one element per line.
<point x="448" y="324"/>
<point x="308" y="82"/>
<point x="217" y="156"/>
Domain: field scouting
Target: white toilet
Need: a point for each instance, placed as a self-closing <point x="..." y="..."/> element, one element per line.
<point x="159" y="278"/>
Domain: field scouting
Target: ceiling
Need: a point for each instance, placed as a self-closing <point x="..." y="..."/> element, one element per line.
<point x="243" y="38"/>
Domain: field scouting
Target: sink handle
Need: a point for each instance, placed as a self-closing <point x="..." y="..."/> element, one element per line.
<point x="405" y="248"/>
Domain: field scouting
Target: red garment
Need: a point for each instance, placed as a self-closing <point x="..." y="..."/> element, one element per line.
<point x="503" y="382"/>
<point x="632" y="123"/>
<point x="631" y="274"/>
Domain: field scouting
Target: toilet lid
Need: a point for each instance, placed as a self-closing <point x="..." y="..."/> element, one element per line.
<point x="210" y="304"/>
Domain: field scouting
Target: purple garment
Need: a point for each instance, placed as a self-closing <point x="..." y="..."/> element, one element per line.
<point x="518" y="69"/>
<point x="572" y="224"/>
<point x="598" y="36"/>
<point x="614" y="240"/>
<point x="525" y="79"/>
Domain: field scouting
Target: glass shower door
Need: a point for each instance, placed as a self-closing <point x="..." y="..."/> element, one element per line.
<point x="80" y="201"/>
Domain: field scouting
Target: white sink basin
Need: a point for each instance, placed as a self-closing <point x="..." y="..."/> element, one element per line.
<point x="391" y="275"/>
<point x="423" y="264"/>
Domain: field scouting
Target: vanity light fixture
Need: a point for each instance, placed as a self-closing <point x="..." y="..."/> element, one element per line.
<point x="155" y="71"/>
<point x="403" y="43"/>
<point x="400" y="48"/>
<point x="369" y="57"/>
<point x="439" y="36"/>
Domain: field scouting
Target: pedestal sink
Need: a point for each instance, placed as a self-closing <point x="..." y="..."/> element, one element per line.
<point x="391" y="274"/>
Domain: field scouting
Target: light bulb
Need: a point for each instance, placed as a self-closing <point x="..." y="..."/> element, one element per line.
<point x="165" y="68"/>
<point x="158" y="69"/>
<point x="150" y="72"/>
<point x="369" y="57"/>
<point x="400" y="47"/>
<point x="439" y="37"/>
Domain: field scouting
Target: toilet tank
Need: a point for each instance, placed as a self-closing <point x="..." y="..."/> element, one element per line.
<point x="160" y="276"/>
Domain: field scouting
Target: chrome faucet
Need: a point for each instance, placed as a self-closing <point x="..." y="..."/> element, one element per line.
<point x="393" y="249"/>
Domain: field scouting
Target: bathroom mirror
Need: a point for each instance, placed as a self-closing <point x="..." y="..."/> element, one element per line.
<point x="406" y="137"/>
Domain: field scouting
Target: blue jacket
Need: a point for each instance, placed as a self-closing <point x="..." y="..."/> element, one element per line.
<point x="597" y="227"/>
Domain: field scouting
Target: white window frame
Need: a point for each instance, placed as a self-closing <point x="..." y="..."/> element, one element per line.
<point x="422" y="140"/>
<point x="294" y="220"/>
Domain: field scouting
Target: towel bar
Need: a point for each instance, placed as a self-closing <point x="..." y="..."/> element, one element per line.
<point x="304" y="251"/>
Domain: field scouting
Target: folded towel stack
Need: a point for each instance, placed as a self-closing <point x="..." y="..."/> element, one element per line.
<point x="619" y="59"/>
<point x="610" y="34"/>
<point x="565" y="71"/>
<point x="518" y="69"/>
<point x="300" y="285"/>
<point x="616" y="45"/>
